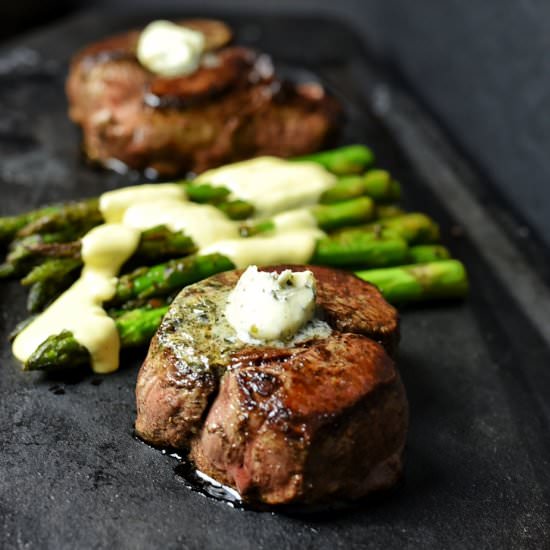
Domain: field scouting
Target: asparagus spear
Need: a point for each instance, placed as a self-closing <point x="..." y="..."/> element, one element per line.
<point x="351" y="159"/>
<point x="48" y="280"/>
<point x="424" y="253"/>
<point x="388" y="211"/>
<point x="136" y="327"/>
<point x="62" y="351"/>
<point x="10" y="225"/>
<point x="364" y="249"/>
<point x="377" y="184"/>
<point x="160" y="243"/>
<point x="410" y="283"/>
<point x="206" y="193"/>
<point x="236" y="209"/>
<point x="58" y="352"/>
<point x="165" y="278"/>
<point x="342" y="214"/>
<point x="415" y="228"/>
<point x="143" y="304"/>
<point x="79" y="217"/>
<point x="327" y="216"/>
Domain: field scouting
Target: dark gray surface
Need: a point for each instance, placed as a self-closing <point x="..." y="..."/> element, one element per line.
<point x="72" y="475"/>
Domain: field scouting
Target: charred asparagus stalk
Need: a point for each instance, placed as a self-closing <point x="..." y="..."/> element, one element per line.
<point x="48" y="280"/>
<point x="364" y="249"/>
<point x="415" y="228"/>
<point x="411" y="283"/>
<point x="236" y="209"/>
<point x="351" y="159"/>
<point x="62" y="351"/>
<point x="156" y="244"/>
<point x="424" y="253"/>
<point x="388" y="211"/>
<point x="376" y="184"/>
<point x="165" y="278"/>
<point x="327" y="216"/>
<point x="22" y="256"/>
<point x="11" y="225"/>
<point x="206" y="193"/>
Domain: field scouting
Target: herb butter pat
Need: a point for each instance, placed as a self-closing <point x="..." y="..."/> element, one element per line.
<point x="169" y="50"/>
<point x="266" y="307"/>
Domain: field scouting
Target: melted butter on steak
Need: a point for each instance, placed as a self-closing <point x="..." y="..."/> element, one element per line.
<point x="199" y="336"/>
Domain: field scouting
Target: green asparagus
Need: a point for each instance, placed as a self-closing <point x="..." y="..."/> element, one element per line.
<point x="376" y="184"/>
<point x="424" y="253"/>
<point x="351" y="159"/>
<point x="327" y="216"/>
<point x="48" y="280"/>
<point x="58" y="352"/>
<point x="136" y="327"/>
<point x="411" y="283"/>
<point x="388" y="211"/>
<point x="342" y="214"/>
<point x="160" y="243"/>
<point x="206" y="193"/>
<point x="51" y="269"/>
<point x="80" y="217"/>
<point x="236" y="210"/>
<point x="365" y="249"/>
<point x="10" y="225"/>
<point x="415" y="228"/>
<point x="156" y="244"/>
<point x="165" y="278"/>
<point x="62" y="351"/>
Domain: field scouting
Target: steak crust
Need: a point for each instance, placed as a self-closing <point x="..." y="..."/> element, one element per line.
<point x="320" y="420"/>
<point x="233" y="107"/>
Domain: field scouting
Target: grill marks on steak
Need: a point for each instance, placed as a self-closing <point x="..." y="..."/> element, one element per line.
<point x="350" y="305"/>
<point x="306" y="423"/>
<point x="232" y="67"/>
<point x="231" y="108"/>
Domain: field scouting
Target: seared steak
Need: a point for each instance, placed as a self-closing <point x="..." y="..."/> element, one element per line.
<point x="307" y="422"/>
<point x="233" y="107"/>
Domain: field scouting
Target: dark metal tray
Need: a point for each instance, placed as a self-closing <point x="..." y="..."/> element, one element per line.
<point x="477" y="372"/>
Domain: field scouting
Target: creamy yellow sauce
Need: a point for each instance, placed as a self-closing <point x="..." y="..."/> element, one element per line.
<point x="271" y="185"/>
<point x="292" y="247"/>
<point x="104" y="249"/>
<point x="202" y="222"/>
<point x="113" y="204"/>
<point x="301" y="218"/>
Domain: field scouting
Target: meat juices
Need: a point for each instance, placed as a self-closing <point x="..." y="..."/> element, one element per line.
<point x="233" y="107"/>
<point x="319" y="421"/>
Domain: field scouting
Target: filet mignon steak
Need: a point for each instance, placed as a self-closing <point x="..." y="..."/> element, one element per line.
<point x="321" y="419"/>
<point x="233" y="107"/>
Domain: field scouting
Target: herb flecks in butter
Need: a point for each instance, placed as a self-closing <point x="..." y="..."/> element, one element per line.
<point x="267" y="306"/>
